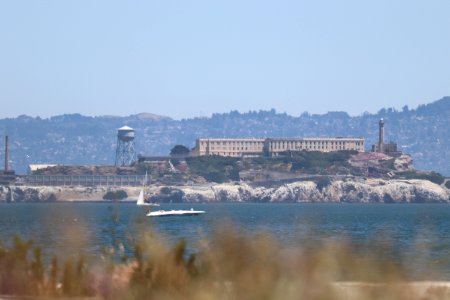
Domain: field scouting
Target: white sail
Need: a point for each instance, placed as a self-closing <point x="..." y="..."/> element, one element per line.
<point x="141" y="200"/>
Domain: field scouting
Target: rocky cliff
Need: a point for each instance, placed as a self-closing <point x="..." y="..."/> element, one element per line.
<point x="345" y="190"/>
<point x="56" y="193"/>
<point x="348" y="190"/>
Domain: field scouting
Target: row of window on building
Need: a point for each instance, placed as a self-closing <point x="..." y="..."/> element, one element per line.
<point x="233" y="147"/>
<point x="224" y="143"/>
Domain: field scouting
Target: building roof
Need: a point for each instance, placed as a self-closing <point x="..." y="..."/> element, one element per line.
<point x="317" y="139"/>
<point x="35" y="167"/>
<point x="284" y="139"/>
<point x="232" y="139"/>
<point x="125" y="128"/>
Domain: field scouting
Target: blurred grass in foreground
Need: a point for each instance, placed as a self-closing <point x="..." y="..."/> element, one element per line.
<point x="230" y="265"/>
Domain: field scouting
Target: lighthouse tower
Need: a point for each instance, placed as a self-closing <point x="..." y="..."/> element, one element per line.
<point x="381" y="136"/>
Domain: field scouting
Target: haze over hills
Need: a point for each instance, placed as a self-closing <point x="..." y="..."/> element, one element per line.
<point x="423" y="132"/>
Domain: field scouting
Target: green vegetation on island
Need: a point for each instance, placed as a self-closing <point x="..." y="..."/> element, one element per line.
<point x="431" y="176"/>
<point x="290" y="165"/>
<point x="179" y="150"/>
<point x="215" y="168"/>
<point x="115" y="195"/>
<point x="308" y="162"/>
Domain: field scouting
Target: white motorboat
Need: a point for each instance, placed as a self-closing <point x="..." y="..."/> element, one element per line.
<point x="168" y="213"/>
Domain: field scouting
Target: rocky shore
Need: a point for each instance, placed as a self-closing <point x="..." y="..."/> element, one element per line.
<point x="354" y="190"/>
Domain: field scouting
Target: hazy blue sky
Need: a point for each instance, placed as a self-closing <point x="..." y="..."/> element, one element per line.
<point x="193" y="58"/>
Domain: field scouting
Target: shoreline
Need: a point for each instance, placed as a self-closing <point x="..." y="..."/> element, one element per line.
<point x="341" y="190"/>
<point x="222" y="203"/>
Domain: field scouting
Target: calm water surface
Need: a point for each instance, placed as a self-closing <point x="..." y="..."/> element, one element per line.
<point x="418" y="233"/>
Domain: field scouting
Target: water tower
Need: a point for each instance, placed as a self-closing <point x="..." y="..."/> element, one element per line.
<point x="125" y="153"/>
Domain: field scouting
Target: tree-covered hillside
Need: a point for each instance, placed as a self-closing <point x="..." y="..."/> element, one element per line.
<point x="74" y="139"/>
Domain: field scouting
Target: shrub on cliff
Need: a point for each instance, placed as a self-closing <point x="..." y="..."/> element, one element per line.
<point x="314" y="162"/>
<point x="179" y="151"/>
<point x="218" y="177"/>
<point x="214" y="168"/>
<point x="115" y="195"/>
<point x="168" y="194"/>
<point x="431" y="176"/>
<point x="322" y="182"/>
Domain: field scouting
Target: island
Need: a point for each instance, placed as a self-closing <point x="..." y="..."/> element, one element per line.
<point x="240" y="170"/>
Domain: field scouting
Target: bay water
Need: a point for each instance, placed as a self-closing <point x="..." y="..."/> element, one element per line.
<point x="418" y="234"/>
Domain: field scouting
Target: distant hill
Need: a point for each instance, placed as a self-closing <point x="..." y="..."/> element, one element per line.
<point x="75" y="139"/>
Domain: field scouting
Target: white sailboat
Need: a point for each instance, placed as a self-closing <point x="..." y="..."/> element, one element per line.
<point x="141" y="199"/>
<point x="11" y="197"/>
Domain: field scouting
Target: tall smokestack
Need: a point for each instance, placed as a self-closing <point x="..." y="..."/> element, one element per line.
<point x="6" y="154"/>
<point x="381" y="137"/>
